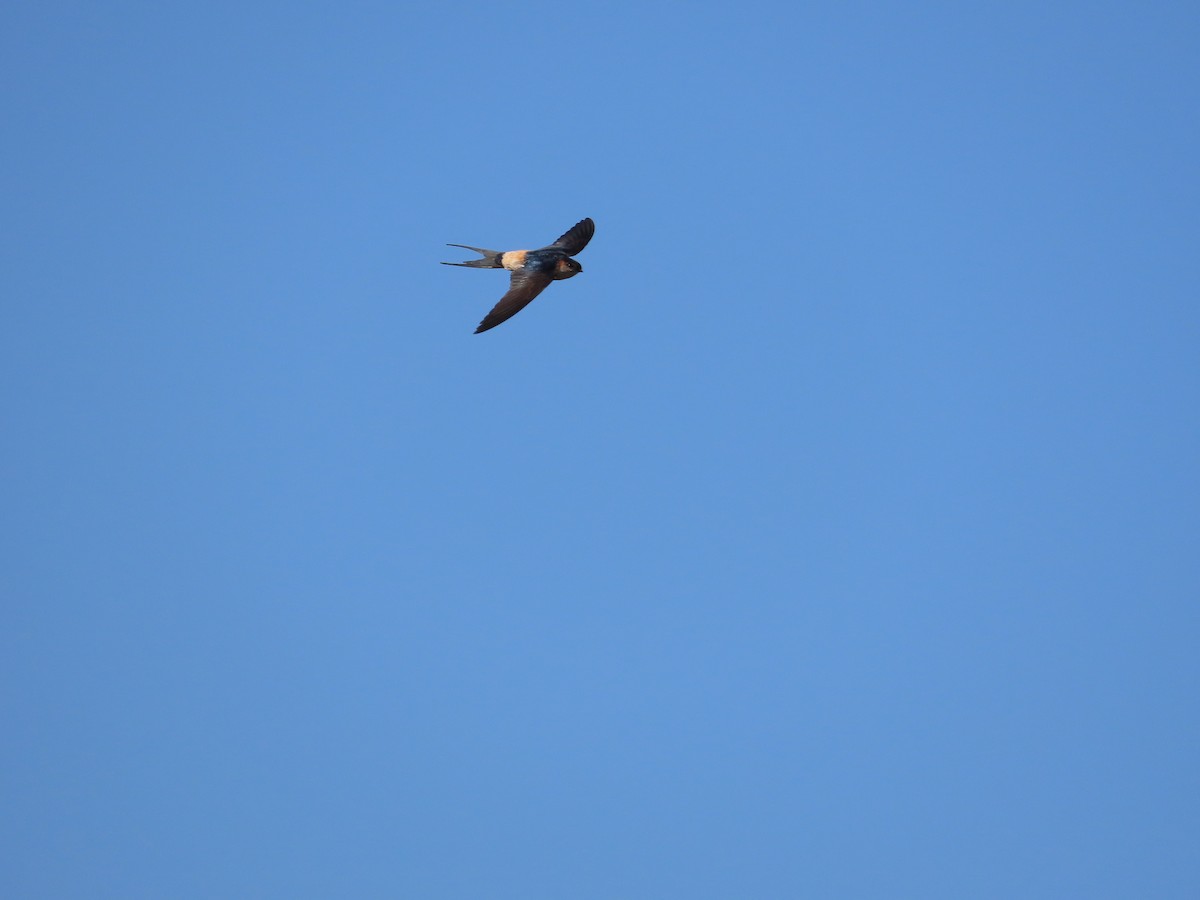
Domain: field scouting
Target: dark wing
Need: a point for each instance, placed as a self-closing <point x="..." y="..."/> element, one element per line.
<point x="575" y="239"/>
<point x="523" y="288"/>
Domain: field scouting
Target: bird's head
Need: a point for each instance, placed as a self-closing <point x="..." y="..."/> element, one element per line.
<point x="566" y="268"/>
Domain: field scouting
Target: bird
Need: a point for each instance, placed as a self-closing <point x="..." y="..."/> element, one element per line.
<point x="532" y="270"/>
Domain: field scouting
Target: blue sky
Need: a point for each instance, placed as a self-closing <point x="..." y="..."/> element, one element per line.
<point x="834" y="534"/>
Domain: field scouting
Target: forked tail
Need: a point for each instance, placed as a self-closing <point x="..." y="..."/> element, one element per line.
<point x="491" y="258"/>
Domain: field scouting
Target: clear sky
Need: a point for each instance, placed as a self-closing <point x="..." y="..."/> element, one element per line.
<point x="835" y="534"/>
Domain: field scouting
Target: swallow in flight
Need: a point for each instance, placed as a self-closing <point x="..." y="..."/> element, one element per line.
<point x="532" y="270"/>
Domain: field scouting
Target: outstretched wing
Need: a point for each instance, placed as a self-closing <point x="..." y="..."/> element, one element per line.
<point x="575" y="239"/>
<point x="525" y="285"/>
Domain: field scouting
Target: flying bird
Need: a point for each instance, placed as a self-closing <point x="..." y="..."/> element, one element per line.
<point x="532" y="270"/>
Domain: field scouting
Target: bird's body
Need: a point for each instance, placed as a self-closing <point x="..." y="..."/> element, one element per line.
<point x="532" y="270"/>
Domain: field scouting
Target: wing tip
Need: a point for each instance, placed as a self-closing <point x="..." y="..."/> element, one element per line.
<point x="575" y="238"/>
